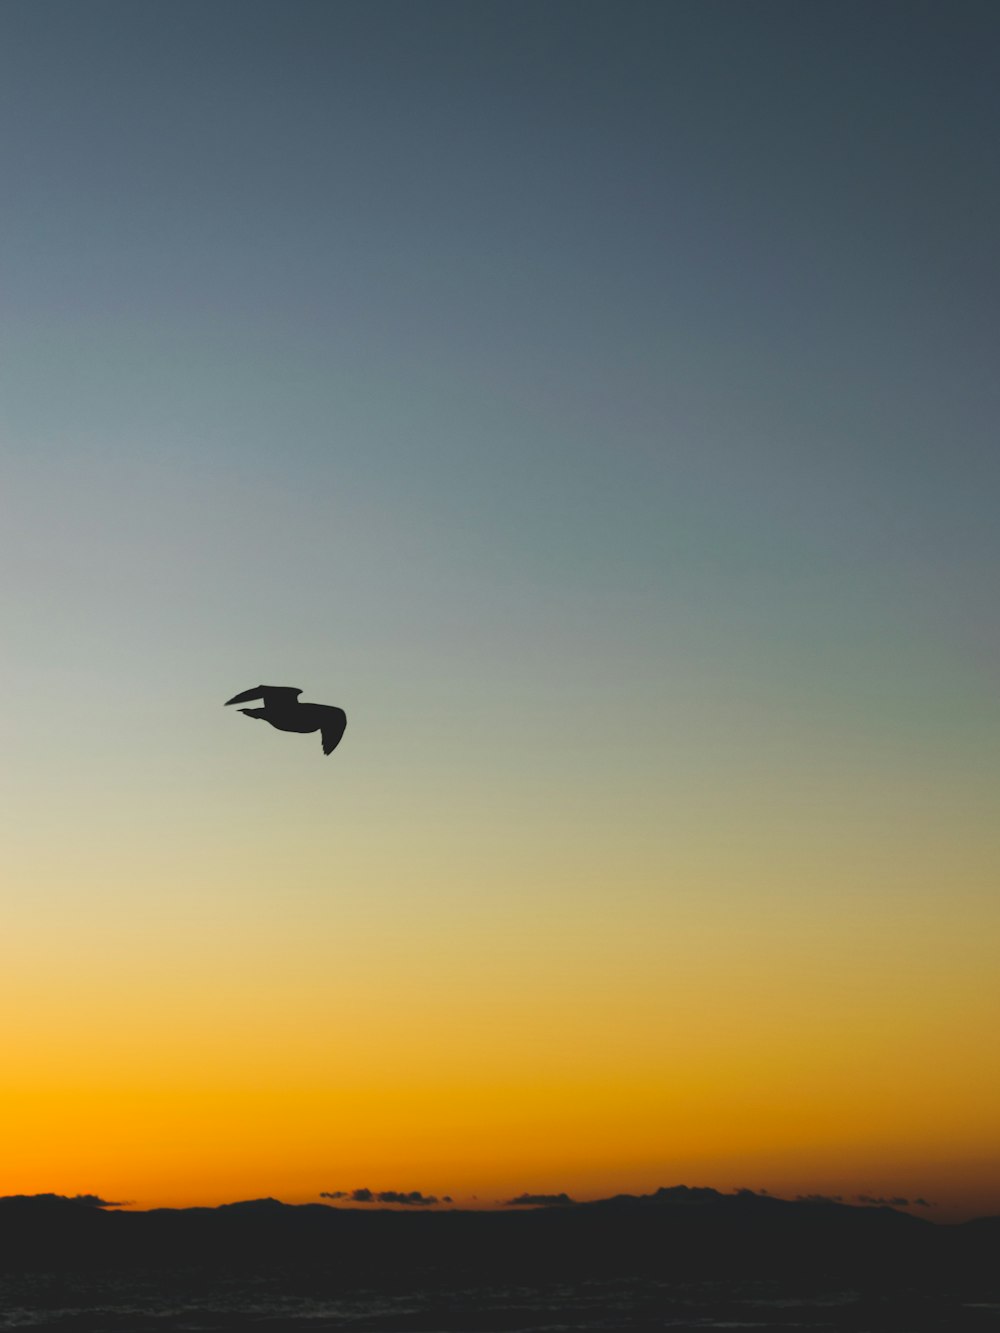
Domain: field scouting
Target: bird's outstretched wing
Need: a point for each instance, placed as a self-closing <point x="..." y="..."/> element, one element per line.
<point x="276" y="693"/>
<point x="332" y="728"/>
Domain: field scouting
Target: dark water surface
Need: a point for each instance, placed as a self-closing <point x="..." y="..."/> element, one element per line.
<point x="201" y="1303"/>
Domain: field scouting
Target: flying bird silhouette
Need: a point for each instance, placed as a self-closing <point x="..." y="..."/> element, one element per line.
<point x="283" y="710"/>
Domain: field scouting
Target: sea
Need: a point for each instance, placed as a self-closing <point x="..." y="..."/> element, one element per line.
<point x="202" y="1302"/>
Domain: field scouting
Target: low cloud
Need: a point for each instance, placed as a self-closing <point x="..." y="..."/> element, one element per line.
<point x="820" y="1198"/>
<point x="83" y="1200"/>
<point x="413" y="1199"/>
<point x="539" y="1201"/>
<point x="410" y="1198"/>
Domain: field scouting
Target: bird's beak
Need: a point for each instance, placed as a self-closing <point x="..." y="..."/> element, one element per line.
<point x="255" y="692"/>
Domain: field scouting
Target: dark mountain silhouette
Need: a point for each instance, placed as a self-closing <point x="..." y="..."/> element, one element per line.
<point x="674" y="1233"/>
<point x="283" y="710"/>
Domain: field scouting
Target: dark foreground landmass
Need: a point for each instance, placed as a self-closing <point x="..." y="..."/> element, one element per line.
<point x="676" y="1259"/>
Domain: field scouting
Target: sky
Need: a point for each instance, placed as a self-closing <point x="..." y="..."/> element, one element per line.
<point x="598" y="402"/>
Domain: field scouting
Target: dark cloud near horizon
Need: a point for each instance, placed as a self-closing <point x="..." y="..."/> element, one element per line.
<point x="539" y="1201"/>
<point x="676" y="1193"/>
<point x="410" y="1198"/>
<point x="83" y="1200"/>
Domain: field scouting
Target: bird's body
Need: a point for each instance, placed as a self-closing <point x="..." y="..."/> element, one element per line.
<point x="283" y="710"/>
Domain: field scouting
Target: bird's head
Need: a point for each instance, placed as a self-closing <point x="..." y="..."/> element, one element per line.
<point x="254" y="692"/>
<point x="259" y="691"/>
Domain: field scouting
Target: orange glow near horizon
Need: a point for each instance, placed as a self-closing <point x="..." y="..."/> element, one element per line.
<point x="503" y="1043"/>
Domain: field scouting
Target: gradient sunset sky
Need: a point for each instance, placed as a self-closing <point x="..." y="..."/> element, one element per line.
<point x="598" y="401"/>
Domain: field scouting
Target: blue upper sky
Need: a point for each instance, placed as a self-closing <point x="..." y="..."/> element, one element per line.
<point x="638" y="349"/>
